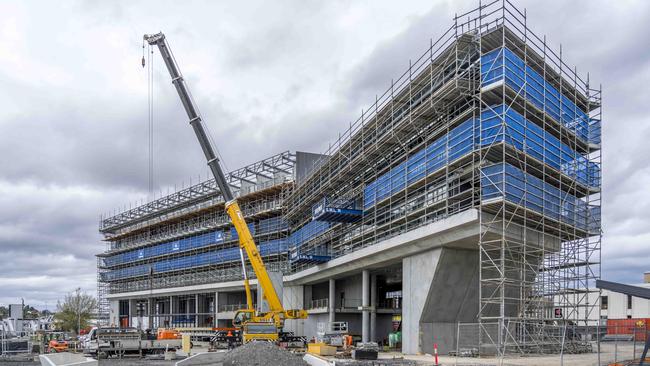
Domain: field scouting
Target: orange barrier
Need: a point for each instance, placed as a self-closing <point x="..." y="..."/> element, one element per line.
<point x="638" y="327"/>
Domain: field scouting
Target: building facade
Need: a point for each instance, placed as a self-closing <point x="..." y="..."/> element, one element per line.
<point x="462" y="206"/>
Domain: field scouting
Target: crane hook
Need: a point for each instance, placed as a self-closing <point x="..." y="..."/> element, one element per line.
<point x="143" y="54"/>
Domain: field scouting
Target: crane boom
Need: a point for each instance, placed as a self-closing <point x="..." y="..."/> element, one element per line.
<point x="246" y="241"/>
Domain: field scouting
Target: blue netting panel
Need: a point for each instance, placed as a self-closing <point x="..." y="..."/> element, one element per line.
<point x="530" y="138"/>
<point x="175" y="246"/>
<point x="506" y="181"/>
<point x="518" y="132"/>
<point x="301" y="236"/>
<point x="540" y="93"/>
<point x="307" y="232"/>
<point x="452" y="146"/>
<point x="272" y="225"/>
<point x="277" y="246"/>
<point x="235" y="236"/>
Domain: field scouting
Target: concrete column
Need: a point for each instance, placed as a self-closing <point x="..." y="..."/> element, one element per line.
<point x="150" y="313"/>
<point x="171" y="311"/>
<point x="114" y="319"/>
<point x="373" y="305"/>
<point x="365" y="302"/>
<point x="331" y="300"/>
<point x="216" y="308"/>
<point x="196" y="310"/>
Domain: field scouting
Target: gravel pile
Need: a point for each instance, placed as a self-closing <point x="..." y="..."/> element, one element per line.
<point x="262" y="354"/>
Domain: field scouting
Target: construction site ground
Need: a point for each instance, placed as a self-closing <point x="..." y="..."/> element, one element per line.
<point x="610" y="353"/>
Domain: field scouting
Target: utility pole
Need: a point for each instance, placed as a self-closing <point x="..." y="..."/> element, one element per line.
<point x="78" y="311"/>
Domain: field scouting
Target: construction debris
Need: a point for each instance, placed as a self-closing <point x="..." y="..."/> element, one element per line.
<point x="366" y="351"/>
<point x="262" y="354"/>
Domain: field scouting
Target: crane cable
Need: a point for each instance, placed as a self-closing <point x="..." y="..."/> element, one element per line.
<point x="150" y="120"/>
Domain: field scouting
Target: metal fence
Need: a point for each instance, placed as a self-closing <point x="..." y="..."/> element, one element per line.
<point x="619" y="342"/>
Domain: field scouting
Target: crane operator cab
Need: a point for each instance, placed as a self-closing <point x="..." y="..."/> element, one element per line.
<point x="242" y="316"/>
<point x="255" y="330"/>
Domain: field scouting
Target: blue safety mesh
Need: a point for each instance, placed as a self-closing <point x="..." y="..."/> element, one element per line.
<point x="499" y="124"/>
<point x="196" y="260"/>
<point x="502" y="64"/>
<point x="504" y="181"/>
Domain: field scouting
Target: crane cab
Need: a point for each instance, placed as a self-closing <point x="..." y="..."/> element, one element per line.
<point x="242" y="317"/>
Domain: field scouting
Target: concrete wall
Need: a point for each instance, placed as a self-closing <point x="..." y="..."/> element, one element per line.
<point x="440" y="289"/>
<point x="417" y="274"/>
<point x="278" y="285"/>
<point x="310" y="325"/>
<point x="452" y="298"/>
<point x="350" y="287"/>
<point x="293" y="298"/>
<point x="114" y="313"/>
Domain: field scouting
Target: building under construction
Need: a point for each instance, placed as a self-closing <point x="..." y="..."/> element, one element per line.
<point x="461" y="208"/>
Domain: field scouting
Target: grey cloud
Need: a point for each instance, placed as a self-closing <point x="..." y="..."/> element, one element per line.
<point x="73" y="142"/>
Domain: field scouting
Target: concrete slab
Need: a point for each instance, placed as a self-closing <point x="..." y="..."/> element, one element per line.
<point x="66" y="359"/>
<point x="203" y="358"/>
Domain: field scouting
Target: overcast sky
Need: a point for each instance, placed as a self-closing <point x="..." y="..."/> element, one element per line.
<point x="268" y="77"/>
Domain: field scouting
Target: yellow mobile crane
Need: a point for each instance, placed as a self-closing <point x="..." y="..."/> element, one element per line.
<point x="254" y="325"/>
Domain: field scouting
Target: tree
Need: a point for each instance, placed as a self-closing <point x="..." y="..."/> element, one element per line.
<point x="75" y="311"/>
<point x="30" y="312"/>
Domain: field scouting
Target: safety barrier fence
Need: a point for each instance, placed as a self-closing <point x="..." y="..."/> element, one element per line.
<point x="562" y="343"/>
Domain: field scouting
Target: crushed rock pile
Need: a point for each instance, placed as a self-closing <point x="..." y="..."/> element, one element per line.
<point x="261" y="354"/>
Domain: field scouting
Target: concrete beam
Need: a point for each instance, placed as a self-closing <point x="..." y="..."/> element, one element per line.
<point x="460" y="230"/>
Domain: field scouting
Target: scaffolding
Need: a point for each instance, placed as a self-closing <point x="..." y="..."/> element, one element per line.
<point x="488" y="118"/>
<point x="491" y="118"/>
<point x="186" y="238"/>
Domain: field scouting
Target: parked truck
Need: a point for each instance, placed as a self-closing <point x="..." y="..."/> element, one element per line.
<point x="118" y="342"/>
